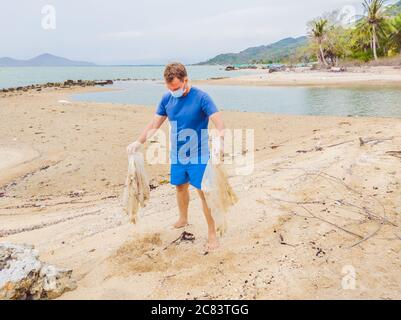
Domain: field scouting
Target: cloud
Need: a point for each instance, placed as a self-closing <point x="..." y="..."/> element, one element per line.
<point x="132" y="34"/>
<point x="154" y="31"/>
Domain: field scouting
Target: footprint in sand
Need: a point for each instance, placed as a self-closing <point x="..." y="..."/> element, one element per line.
<point x="142" y="255"/>
<point x="151" y="253"/>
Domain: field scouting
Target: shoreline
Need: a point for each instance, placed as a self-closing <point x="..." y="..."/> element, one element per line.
<point x="353" y="77"/>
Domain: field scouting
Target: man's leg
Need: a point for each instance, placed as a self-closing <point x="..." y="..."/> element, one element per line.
<point x="183" y="202"/>
<point x="212" y="241"/>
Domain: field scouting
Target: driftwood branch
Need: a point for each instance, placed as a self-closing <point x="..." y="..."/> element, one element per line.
<point x="294" y="202"/>
<point x="339" y="144"/>
<point x="375" y="141"/>
<point x="368" y="237"/>
<point x="332" y="224"/>
<point x="396" y="154"/>
<point x="362" y="209"/>
<point x="366" y="212"/>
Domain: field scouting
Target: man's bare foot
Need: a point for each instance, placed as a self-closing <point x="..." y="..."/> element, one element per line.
<point x="180" y="224"/>
<point x="212" y="243"/>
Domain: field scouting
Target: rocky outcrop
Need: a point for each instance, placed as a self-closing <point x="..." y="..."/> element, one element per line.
<point x="65" y="85"/>
<point x="24" y="277"/>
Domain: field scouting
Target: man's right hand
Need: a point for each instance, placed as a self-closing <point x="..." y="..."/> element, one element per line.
<point x="134" y="147"/>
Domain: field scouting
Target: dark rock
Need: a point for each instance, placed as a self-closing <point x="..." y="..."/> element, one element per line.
<point x="230" y="68"/>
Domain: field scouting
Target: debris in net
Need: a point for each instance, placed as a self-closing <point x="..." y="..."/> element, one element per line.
<point x="137" y="189"/>
<point x="219" y="194"/>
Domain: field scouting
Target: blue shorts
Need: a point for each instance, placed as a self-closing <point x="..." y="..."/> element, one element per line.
<point x="184" y="173"/>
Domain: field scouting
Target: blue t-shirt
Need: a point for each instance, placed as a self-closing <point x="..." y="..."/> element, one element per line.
<point x="189" y="119"/>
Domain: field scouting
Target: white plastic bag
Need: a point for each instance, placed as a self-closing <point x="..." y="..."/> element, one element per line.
<point x="137" y="190"/>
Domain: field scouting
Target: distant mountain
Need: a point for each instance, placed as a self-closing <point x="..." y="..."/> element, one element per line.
<point x="274" y="52"/>
<point x="43" y="60"/>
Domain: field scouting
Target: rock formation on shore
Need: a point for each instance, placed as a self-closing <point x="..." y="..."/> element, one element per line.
<point x="24" y="277"/>
<point x="65" y="84"/>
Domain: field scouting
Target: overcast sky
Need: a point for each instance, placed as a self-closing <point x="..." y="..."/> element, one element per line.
<point x="152" y="31"/>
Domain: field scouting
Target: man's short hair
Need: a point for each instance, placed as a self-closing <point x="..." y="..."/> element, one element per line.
<point x="175" y="70"/>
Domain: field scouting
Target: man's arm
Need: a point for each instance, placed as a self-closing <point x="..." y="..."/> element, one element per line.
<point x="151" y="128"/>
<point x="147" y="133"/>
<point x="218" y="122"/>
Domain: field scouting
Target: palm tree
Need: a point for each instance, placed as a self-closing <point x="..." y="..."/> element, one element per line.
<point x="319" y="32"/>
<point x="373" y="21"/>
<point x="396" y="32"/>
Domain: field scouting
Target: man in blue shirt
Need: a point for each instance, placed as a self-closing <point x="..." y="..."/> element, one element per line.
<point x="188" y="110"/>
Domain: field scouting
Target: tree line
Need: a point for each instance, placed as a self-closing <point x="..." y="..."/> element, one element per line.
<point x="375" y="34"/>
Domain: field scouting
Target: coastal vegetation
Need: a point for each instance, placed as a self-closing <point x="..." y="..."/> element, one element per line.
<point x="334" y="37"/>
<point x="376" y="34"/>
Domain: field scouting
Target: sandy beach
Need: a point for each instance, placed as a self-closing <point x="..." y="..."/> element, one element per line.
<point x="353" y="77"/>
<point x="321" y="202"/>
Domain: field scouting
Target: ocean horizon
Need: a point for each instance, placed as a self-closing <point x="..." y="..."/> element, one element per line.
<point x="23" y="76"/>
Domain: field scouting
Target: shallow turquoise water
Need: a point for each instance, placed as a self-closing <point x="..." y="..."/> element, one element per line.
<point x="382" y="102"/>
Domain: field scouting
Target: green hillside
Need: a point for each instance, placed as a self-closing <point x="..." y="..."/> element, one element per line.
<point x="275" y="52"/>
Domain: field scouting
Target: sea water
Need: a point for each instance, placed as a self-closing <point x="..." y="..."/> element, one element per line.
<point x="378" y="102"/>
